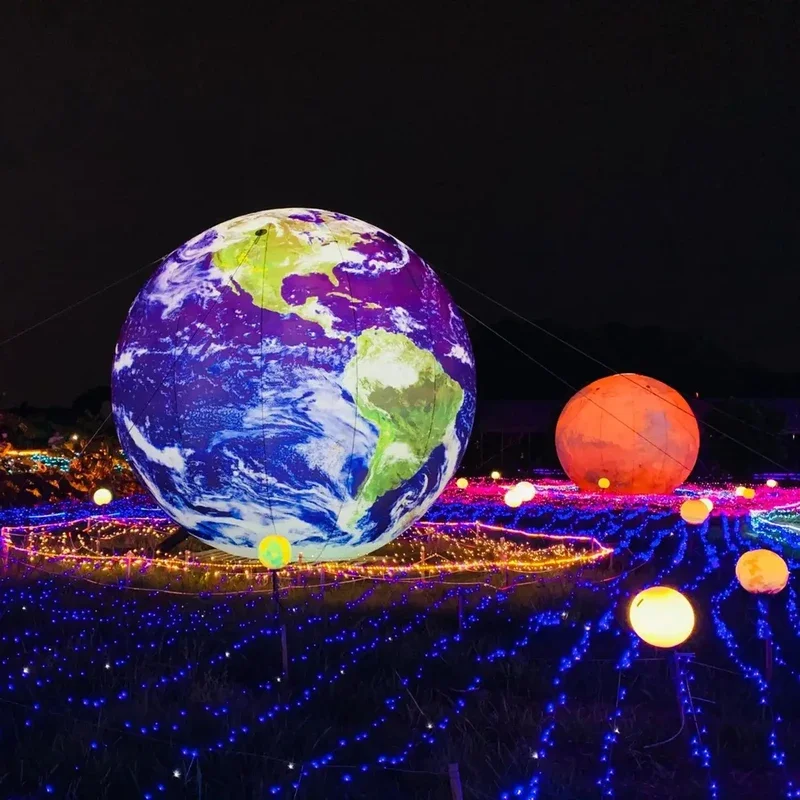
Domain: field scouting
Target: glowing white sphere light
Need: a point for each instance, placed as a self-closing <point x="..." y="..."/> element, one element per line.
<point x="661" y="616"/>
<point x="526" y="490"/>
<point x="762" y="572"/>
<point x="694" y="512"/>
<point x="102" y="497"/>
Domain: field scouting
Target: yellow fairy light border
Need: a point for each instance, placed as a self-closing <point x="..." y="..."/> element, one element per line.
<point x="480" y="548"/>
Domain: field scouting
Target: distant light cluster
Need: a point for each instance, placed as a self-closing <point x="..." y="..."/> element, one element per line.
<point x="725" y="499"/>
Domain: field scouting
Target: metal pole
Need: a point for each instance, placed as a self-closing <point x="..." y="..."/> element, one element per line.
<point x="455" y="782"/>
<point x="284" y="652"/>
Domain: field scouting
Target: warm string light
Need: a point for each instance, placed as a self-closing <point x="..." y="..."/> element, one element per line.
<point x="22" y="460"/>
<point x="46" y="530"/>
<point x="429" y="549"/>
<point x="654" y="534"/>
<point x="724" y="499"/>
<point x="507" y="547"/>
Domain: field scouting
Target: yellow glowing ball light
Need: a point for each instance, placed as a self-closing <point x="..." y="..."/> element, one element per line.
<point x="772" y="483"/>
<point x="462" y="483"/>
<point x="694" y="512"/>
<point x="102" y="497"/>
<point x="604" y="483"/>
<point x="274" y="551"/>
<point x="740" y="490"/>
<point x="749" y="493"/>
<point x="707" y="503"/>
<point x="512" y="498"/>
<point x="494" y="475"/>
<point x="526" y="490"/>
<point x="661" y="616"/>
<point x="762" y="572"/>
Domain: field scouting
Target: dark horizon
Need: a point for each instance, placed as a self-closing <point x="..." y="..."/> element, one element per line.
<point x="588" y="169"/>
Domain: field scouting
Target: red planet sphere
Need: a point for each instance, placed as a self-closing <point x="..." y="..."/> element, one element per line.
<point x="635" y="431"/>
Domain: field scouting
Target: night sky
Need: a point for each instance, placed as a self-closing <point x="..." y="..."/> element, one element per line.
<point x="639" y="166"/>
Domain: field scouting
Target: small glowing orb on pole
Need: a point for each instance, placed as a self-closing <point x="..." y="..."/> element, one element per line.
<point x="526" y="490"/>
<point x="762" y="572"/>
<point x="462" y="483"/>
<point x="694" y="512"/>
<point x="102" y="497"/>
<point x="274" y="551"/>
<point x="661" y="616"/>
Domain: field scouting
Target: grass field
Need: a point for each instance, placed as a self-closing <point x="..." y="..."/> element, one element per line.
<point x="115" y="692"/>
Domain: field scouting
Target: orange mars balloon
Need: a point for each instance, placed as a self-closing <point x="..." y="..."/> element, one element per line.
<point x="636" y="431"/>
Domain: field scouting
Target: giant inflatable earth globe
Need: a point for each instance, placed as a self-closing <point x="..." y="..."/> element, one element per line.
<point x="294" y="373"/>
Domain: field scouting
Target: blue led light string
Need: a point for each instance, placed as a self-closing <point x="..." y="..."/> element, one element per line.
<point x="631" y="526"/>
<point x="711" y="564"/>
<point x="441" y="645"/>
<point x="548" y="619"/>
<point x="606" y="781"/>
<point x="428" y="734"/>
<point x="698" y="749"/>
<point x="155" y="727"/>
<point x="304" y="695"/>
<point x="726" y="532"/>
<point x="537" y="621"/>
<point x="577" y="652"/>
<point x="389" y="702"/>
<point x="753" y="674"/>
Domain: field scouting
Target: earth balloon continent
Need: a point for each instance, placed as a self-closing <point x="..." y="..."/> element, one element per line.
<point x="294" y="373"/>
